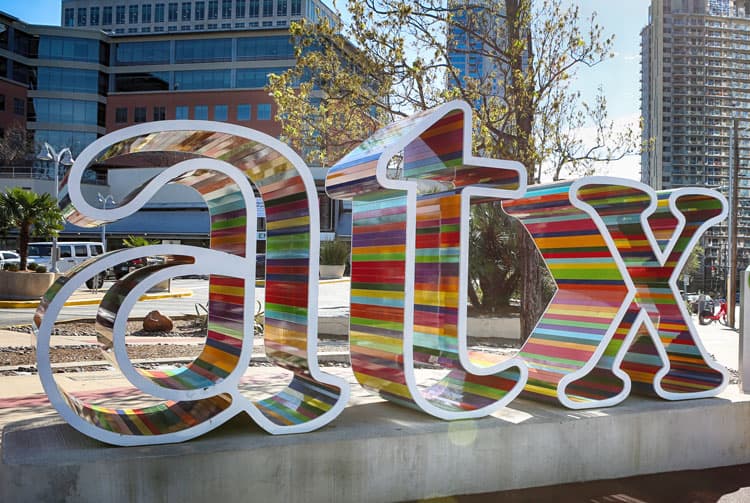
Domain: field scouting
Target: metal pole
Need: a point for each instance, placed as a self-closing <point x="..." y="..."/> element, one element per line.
<point x="734" y="170"/>
<point x="104" y="200"/>
<point x="53" y="254"/>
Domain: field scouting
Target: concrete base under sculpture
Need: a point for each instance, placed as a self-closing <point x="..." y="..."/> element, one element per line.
<point x="381" y="452"/>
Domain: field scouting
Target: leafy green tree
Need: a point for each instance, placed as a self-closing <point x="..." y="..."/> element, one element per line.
<point x="137" y="241"/>
<point x="30" y="213"/>
<point x="394" y="58"/>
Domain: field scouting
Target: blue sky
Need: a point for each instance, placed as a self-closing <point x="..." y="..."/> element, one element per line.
<point x="619" y="77"/>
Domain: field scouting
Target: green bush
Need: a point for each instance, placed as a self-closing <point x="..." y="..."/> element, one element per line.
<point x="31" y="266"/>
<point x="40" y="268"/>
<point x="11" y="267"/>
<point x="334" y="252"/>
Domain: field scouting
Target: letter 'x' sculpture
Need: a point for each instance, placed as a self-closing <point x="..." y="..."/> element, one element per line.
<point x="614" y="248"/>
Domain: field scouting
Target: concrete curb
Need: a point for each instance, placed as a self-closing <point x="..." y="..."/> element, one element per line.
<point x="31" y="304"/>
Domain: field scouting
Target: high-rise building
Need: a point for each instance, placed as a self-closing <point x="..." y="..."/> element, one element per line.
<point x="695" y="80"/>
<point x="470" y="54"/>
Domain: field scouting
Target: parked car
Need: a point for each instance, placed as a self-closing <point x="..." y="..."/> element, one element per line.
<point x="8" y="257"/>
<point x="69" y="254"/>
<point x="124" y="268"/>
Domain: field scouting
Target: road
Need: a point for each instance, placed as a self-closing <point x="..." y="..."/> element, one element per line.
<point x="170" y="307"/>
<point x="333" y="300"/>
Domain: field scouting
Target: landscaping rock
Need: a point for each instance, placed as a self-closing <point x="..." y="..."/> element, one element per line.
<point x="157" y="322"/>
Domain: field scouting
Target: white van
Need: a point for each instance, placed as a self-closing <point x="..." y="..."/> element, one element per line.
<point x="69" y="254"/>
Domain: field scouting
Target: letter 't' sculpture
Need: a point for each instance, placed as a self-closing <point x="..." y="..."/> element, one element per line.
<point x="411" y="184"/>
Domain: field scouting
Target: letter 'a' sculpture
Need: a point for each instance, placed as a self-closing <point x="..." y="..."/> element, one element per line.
<point x="615" y="249"/>
<point x="411" y="184"/>
<point x="219" y="161"/>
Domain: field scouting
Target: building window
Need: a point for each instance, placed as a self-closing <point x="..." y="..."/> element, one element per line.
<point x="107" y="16"/>
<point x="70" y="17"/>
<point x="202" y="79"/>
<point x="120" y="14"/>
<point x="186" y="8"/>
<point x="181" y="112"/>
<point x="19" y="106"/>
<point x="267" y="8"/>
<point x="159" y="13"/>
<point x="200" y="112"/>
<point x="140" y="114"/>
<point x="200" y="11"/>
<point x="296" y="7"/>
<point x="146" y="13"/>
<point x="82" y="16"/>
<point x="226" y="9"/>
<point x="253" y="8"/>
<point x="281" y="7"/>
<point x="244" y="112"/>
<point x="221" y="113"/>
<point x="160" y="113"/>
<point x="239" y="8"/>
<point x="203" y="50"/>
<point x="213" y="9"/>
<point x="2" y="102"/>
<point x="133" y="14"/>
<point x="264" y="112"/>
<point x="94" y="15"/>
<point x="121" y="115"/>
<point x="172" y="12"/>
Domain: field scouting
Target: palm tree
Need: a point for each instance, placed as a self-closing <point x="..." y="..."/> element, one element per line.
<point x="29" y="212"/>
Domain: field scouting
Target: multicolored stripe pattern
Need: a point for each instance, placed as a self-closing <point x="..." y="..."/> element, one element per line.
<point x="409" y="221"/>
<point x="219" y="161"/>
<point x="615" y="249"/>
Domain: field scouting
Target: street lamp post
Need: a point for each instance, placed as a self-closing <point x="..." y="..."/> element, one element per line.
<point x="62" y="158"/>
<point x="103" y="200"/>
<point x="734" y="179"/>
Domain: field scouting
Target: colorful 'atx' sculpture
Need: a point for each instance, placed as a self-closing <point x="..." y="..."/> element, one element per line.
<point x="614" y="248"/>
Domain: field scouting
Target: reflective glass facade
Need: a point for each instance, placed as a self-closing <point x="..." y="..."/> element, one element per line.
<point x="72" y="80"/>
<point x="141" y="81"/>
<point x="73" y="49"/>
<point x="202" y="79"/>
<point x="255" y="77"/>
<point x="264" y="48"/>
<point x="66" y="111"/>
<point x="142" y="53"/>
<point x="203" y="50"/>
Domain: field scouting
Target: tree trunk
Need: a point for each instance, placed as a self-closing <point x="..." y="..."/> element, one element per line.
<point x="23" y="245"/>
<point x="532" y="290"/>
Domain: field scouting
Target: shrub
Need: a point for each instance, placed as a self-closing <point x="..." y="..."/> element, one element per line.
<point x="11" y="267"/>
<point x="31" y="266"/>
<point x="40" y="268"/>
<point x="334" y="252"/>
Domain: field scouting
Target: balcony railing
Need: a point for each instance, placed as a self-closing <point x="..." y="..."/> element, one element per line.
<point x="44" y="173"/>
